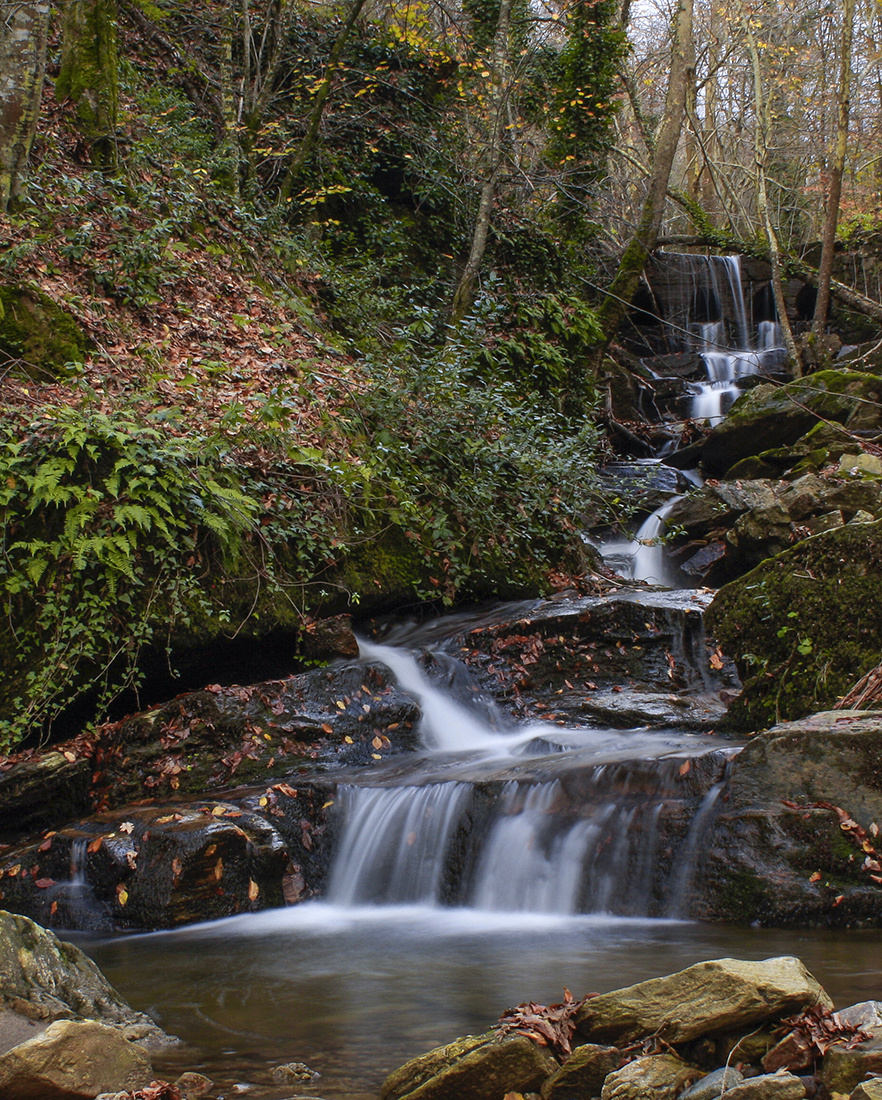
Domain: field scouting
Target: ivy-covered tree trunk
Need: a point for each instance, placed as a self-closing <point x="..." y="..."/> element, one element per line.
<point x="24" y="29"/>
<point x="88" y="74"/>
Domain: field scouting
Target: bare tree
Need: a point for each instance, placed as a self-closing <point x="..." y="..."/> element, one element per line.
<point x="24" y="28"/>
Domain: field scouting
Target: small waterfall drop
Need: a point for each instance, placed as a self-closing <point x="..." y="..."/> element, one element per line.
<point x="729" y="350"/>
<point x="642" y="557"/>
<point x="511" y="822"/>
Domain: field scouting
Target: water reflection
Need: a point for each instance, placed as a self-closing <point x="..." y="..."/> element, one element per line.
<point x="355" y="992"/>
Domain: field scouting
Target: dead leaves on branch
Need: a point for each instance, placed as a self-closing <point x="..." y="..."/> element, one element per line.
<point x="548" y="1025"/>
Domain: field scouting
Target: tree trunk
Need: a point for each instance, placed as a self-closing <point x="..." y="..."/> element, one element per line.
<point x="760" y="157"/>
<point x="837" y="168"/>
<point x="309" y="141"/>
<point x="89" y="73"/>
<point x="465" y="291"/>
<point x="24" y="29"/>
<point x="230" y="144"/>
<point x="624" y="285"/>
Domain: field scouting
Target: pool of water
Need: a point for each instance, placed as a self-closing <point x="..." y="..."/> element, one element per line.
<point x="355" y="992"/>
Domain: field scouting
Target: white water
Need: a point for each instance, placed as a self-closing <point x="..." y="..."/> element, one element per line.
<point x="729" y="352"/>
<point x="642" y="557"/>
<point x="536" y="820"/>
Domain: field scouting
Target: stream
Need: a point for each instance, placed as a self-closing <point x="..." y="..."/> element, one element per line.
<point x="501" y="863"/>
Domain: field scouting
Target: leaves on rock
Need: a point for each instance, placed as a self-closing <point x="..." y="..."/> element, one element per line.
<point x="551" y="1025"/>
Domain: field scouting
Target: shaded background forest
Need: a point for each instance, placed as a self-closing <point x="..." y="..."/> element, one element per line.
<point x="303" y="305"/>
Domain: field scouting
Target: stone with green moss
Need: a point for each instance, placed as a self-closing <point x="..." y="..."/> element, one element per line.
<point x="771" y="417"/>
<point x="36" y="334"/>
<point x="803" y="626"/>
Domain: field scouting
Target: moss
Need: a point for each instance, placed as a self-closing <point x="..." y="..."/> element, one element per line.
<point x="37" y="333"/>
<point x="741" y="895"/>
<point x="804" y="626"/>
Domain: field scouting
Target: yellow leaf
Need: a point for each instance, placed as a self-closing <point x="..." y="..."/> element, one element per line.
<point x="219" y="869"/>
<point x="348" y="740"/>
<point x="218" y="811"/>
<point x="122" y="895"/>
<point x="330" y="802"/>
<point x="376" y="756"/>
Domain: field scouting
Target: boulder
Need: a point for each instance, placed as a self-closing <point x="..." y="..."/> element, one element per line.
<point x="43" y="978"/>
<point x="583" y="1073"/>
<point x="786" y="847"/>
<point x="709" y="998"/>
<point x="483" y="1067"/>
<point x="774" y="416"/>
<point x="72" y="1059"/>
<point x="149" y="867"/>
<point x="657" y="1077"/>
<point x="810" y="657"/>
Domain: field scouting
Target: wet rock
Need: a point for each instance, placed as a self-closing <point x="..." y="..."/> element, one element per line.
<point x="43" y="978"/>
<point x="658" y="1077"/>
<point x="43" y="791"/>
<point x="474" y="1068"/>
<point x="705" y="999"/>
<point x="844" y="1070"/>
<point x="71" y="1059"/>
<point x="778" y="852"/>
<point x="645" y="485"/>
<point x="635" y="656"/>
<point x="328" y="638"/>
<point x="583" y="1073"/>
<point x="768" y="1086"/>
<point x="154" y="867"/>
<point x="212" y="739"/>
<point x="772" y="416"/>
<point x="812" y="657"/>
<point x="712" y="1086"/>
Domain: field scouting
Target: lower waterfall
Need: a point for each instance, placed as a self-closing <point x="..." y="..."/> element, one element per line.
<point x="601" y="824"/>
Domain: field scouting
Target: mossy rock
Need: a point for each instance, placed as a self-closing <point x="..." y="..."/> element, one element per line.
<point x="771" y="417"/>
<point x="38" y="333"/>
<point x="803" y="626"/>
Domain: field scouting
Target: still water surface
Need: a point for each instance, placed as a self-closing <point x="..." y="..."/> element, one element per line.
<point x="356" y="992"/>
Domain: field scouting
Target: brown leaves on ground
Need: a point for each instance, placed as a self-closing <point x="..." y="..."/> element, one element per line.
<point x="548" y="1025"/>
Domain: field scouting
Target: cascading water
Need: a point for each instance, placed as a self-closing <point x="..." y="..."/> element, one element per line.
<point x="529" y="819"/>
<point x="729" y="350"/>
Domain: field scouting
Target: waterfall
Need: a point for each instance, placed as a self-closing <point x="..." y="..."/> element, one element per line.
<point x="643" y="558"/>
<point x="564" y="828"/>
<point x="729" y="351"/>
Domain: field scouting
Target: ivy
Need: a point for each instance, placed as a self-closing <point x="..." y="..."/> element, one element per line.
<point x="108" y="524"/>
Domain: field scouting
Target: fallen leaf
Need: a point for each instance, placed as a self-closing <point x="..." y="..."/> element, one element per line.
<point x="127" y="827"/>
<point x="43" y="883"/>
<point x="176" y="866"/>
<point x="218" y="811"/>
<point x="253" y="890"/>
<point x="122" y="895"/>
<point x="816" y="877"/>
<point x="327" y="728"/>
<point x="286" y="789"/>
<point x="69" y="756"/>
<point x="95" y="844"/>
<point x="685" y="766"/>
<point x="219" y="869"/>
